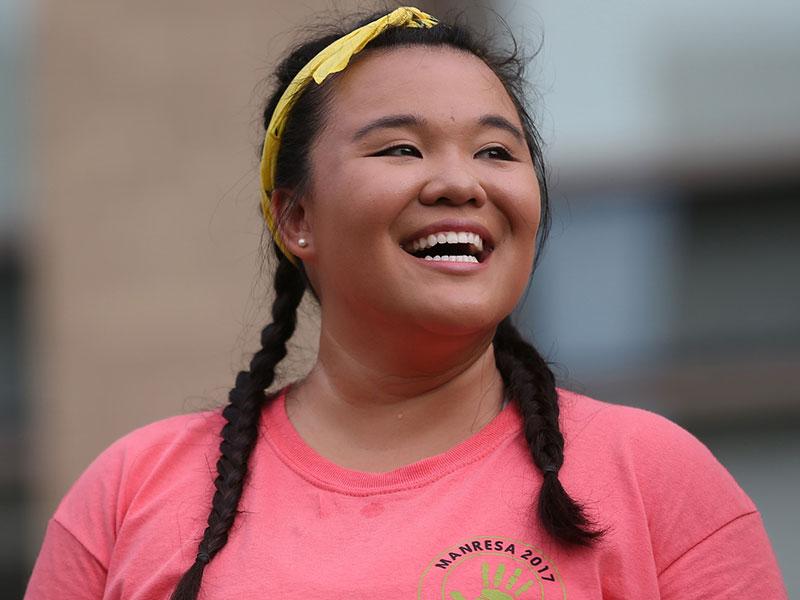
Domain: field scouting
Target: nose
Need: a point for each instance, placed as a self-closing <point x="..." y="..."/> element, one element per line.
<point x="453" y="180"/>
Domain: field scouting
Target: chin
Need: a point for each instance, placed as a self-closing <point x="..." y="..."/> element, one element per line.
<point x="458" y="321"/>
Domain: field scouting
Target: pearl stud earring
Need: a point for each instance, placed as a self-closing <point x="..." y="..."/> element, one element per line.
<point x="302" y="242"/>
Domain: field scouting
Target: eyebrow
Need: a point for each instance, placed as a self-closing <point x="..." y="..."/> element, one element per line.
<point x="389" y="122"/>
<point x="501" y="122"/>
<point x="411" y="120"/>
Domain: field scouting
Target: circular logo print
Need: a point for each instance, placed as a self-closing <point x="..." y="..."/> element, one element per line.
<point x="491" y="569"/>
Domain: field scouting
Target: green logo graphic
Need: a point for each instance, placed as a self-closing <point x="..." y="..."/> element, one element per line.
<point x="494" y="592"/>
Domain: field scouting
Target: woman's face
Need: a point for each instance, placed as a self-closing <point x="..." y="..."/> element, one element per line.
<point x="423" y="145"/>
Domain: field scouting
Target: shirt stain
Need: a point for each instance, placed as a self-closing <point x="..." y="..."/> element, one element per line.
<point x="372" y="510"/>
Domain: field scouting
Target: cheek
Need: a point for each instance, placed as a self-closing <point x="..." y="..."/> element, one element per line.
<point x="345" y="225"/>
<point x="524" y="205"/>
<point x="525" y="225"/>
<point x="534" y="218"/>
<point x="362" y="204"/>
<point x="533" y="204"/>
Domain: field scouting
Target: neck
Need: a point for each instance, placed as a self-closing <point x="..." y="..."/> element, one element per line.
<point x="376" y="407"/>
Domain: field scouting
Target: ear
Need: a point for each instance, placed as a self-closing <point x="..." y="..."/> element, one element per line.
<point x="293" y="223"/>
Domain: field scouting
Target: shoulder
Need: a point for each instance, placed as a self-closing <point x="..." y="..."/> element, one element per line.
<point x="145" y="470"/>
<point x="650" y="457"/>
<point x="155" y="446"/>
<point x="646" y="446"/>
<point x="173" y="456"/>
<point x="647" y="476"/>
<point x="172" y="434"/>
<point x="638" y="437"/>
<point x="583" y="413"/>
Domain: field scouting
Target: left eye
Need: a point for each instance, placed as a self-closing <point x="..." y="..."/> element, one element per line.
<point x="400" y="150"/>
<point x="495" y="153"/>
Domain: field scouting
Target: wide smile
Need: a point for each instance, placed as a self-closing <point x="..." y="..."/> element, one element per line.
<point x="449" y="246"/>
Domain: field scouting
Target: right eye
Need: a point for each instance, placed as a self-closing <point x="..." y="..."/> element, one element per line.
<point x="400" y="150"/>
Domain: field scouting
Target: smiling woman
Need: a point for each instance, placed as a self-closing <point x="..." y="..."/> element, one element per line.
<point x="404" y="187"/>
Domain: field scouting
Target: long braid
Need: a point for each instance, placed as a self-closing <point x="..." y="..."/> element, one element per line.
<point x="530" y="381"/>
<point x="240" y="433"/>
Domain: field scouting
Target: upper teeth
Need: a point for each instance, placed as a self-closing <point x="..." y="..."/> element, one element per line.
<point x="447" y="237"/>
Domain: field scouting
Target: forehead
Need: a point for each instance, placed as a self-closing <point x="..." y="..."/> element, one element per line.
<point x="436" y="82"/>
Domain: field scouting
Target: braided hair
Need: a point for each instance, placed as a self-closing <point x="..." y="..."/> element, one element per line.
<point x="528" y="379"/>
<point x="242" y="413"/>
<point x="526" y="375"/>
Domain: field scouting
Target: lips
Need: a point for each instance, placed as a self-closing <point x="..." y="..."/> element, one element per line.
<point x="454" y="245"/>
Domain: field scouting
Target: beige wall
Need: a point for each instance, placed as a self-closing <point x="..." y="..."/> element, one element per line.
<point x="146" y="232"/>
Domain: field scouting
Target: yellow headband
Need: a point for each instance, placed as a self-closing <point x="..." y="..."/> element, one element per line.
<point x="332" y="59"/>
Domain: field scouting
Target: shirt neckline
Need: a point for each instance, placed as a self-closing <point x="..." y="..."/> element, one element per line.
<point x="301" y="458"/>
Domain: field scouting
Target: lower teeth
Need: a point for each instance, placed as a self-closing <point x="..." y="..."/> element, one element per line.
<point x="458" y="258"/>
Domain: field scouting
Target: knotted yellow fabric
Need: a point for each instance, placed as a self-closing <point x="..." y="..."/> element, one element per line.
<point x="332" y="59"/>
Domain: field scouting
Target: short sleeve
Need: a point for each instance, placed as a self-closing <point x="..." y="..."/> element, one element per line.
<point x="74" y="558"/>
<point x="65" y="569"/>
<point x="673" y="512"/>
<point x="736" y="561"/>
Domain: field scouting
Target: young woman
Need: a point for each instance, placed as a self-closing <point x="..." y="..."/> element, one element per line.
<point x="427" y="454"/>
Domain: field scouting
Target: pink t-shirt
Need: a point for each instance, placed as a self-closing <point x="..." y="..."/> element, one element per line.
<point x="457" y="526"/>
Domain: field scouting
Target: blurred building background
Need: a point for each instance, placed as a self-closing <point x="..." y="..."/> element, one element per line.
<point x="130" y="284"/>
